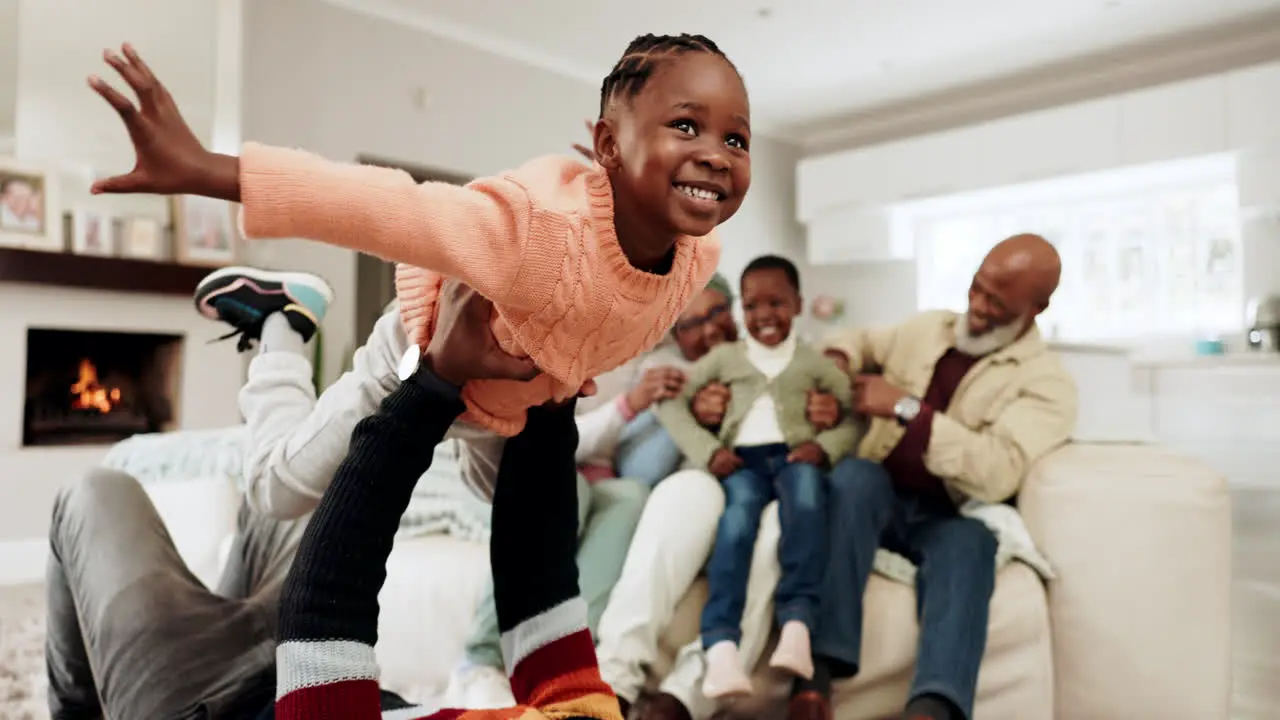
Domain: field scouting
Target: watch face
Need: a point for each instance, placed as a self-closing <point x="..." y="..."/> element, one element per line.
<point x="409" y="363"/>
<point x="907" y="408"/>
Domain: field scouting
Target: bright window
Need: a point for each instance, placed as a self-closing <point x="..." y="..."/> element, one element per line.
<point x="1146" y="252"/>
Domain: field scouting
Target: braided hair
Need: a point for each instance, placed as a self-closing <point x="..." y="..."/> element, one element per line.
<point x="641" y="58"/>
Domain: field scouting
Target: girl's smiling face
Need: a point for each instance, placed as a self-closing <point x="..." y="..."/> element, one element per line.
<point x="678" y="152"/>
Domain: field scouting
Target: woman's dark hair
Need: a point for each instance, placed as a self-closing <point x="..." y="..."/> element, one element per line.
<point x="642" y="56"/>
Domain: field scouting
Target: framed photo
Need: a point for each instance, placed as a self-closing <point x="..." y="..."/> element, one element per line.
<point x="204" y="231"/>
<point x="141" y="238"/>
<point x="29" y="214"/>
<point x="93" y="232"/>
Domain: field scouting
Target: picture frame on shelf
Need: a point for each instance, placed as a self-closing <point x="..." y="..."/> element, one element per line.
<point x="93" y="232"/>
<point x="204" y="231"/>
<point x="141" y="238"/>
<point x="30" y="215"/>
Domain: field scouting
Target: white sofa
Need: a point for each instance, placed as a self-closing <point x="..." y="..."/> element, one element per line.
<point x="1136" y="625"/>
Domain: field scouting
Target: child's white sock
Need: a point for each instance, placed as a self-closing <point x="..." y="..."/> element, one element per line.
<point x="794" y="653"/>
<point x="279" y="336"/>
<point x="725" y="675"/>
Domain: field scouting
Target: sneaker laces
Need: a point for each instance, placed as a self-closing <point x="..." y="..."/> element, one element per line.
<point x="248" y="327"/>
<point x="247" y="333"/>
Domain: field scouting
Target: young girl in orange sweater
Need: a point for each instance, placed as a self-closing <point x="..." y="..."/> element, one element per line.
<point x="587" y="267"/>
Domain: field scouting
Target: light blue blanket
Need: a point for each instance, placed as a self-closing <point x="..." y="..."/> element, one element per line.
<point x="441" y="505"/>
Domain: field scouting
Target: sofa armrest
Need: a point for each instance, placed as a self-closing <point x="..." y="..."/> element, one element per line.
<point x="1140" y="538"/>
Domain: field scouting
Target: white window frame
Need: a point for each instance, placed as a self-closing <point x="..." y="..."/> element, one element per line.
<point x="1174" y="216"/>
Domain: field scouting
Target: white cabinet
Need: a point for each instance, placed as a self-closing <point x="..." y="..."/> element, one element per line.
<point x="1172" y="121"/>
<point x="1050" y="143"/>
<point x="855" y="177"/>
<point x="856" y="233"/>
<point x="1060" y="141"/>
<point x="1253" y="106"/>
<point x="1202" y="116"/>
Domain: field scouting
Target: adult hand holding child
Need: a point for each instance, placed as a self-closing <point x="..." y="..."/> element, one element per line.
<point x="724" y="462"/>
<point x="809" y="453"/>
<point x="463" y="346"/>
<point x="657" y="384"/>
<point x="710" y="404"/>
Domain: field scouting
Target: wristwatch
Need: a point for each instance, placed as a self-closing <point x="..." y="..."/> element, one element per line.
<point x="906" y="409"/>
<point x="412" y="368"/>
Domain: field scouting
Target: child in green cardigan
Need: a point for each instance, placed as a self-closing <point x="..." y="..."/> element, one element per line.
<point x="765" y="449"/>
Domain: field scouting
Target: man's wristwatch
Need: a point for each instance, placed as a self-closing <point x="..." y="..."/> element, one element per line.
<point x="412" y="367"/>
<point x="906" y="409"/>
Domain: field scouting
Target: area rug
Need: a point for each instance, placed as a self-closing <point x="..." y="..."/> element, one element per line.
<point x="22" y="677"/>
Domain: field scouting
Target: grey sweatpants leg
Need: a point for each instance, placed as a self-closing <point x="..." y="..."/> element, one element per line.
<point x="132" y="633"/>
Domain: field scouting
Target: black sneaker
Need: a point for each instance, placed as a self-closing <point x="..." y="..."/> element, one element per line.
<point x="243" y="297"/>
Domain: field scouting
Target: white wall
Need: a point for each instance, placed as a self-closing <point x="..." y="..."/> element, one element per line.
<point x="8" y="69"/>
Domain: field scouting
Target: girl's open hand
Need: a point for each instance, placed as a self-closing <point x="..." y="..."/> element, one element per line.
<point x="170" y="159"/>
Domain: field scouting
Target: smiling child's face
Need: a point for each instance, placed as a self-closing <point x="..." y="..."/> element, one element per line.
<point x="683" y="160"/>
<point x="769" y="305"/>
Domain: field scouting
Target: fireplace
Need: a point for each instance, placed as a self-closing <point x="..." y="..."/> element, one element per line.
<point x="92" y="387"/>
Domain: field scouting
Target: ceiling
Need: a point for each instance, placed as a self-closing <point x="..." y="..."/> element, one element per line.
<point x="806" y="60"/>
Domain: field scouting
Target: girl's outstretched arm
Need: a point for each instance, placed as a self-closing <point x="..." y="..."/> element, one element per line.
<point x="475" y="233"/>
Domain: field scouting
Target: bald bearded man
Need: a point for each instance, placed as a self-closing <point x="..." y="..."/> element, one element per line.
<point x="961" y="405"/>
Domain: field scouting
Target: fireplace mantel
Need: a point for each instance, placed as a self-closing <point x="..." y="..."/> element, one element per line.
<point x="98" y="273"/>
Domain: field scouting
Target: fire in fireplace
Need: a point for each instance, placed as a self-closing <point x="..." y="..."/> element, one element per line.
<point x="91" y="387"/>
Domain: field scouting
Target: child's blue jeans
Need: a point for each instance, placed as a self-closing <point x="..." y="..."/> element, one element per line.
<point x="800" y="489"/>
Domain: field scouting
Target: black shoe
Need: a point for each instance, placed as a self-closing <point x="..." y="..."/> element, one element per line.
<point x="243" y="297"/>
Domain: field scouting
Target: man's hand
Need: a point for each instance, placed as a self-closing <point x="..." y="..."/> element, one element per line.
<point x="710" y="404"/>
<point x="657" y="384"/>
<point x="822" y="409"/>
<point x="463" y="346"/>
<point x="875" y="396"/>
<point x="809" y="453"/>
<point x="839" y="358"/>
<point x="724" y="462"/>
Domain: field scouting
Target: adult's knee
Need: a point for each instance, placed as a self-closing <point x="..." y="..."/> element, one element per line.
<point x="687" y="490"/>
<point x="96" y="491"/>
<point x="856" y="480"/>
<point x="690" y="500"/>
<point x="965" y="541"/>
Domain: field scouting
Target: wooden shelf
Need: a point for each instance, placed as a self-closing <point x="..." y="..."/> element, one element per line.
<point x="98" y="273"/>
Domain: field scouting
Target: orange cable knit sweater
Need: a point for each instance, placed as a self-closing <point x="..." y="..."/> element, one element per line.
<point x="538" y="241"/>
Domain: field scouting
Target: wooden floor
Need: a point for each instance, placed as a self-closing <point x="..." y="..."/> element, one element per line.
<point x="1256" y="616"/>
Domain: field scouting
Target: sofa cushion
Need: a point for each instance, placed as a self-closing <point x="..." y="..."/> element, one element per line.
<point x="1017" y="672"/>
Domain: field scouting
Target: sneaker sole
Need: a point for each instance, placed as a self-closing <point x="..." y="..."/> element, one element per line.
<point x="229" y="279"/>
